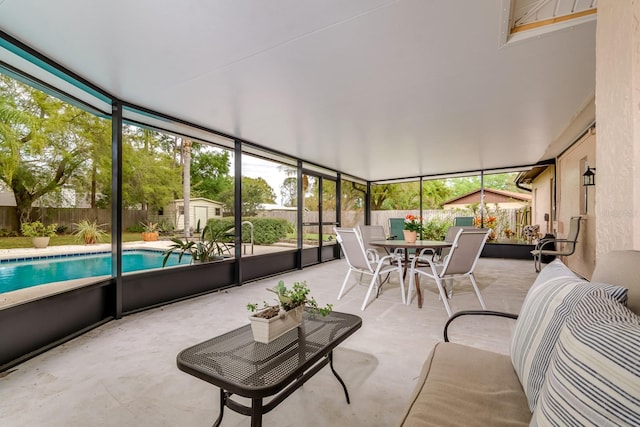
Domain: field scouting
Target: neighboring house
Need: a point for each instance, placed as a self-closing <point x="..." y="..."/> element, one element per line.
<point x="504" y="199"/>
<point x="7" y="199"/>
<point x="541" y="179"/>
<point x="270" y="207"/>
<point x="200" y="208"/>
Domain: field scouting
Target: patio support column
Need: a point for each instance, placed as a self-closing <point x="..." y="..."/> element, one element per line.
<point x="367" y="205"/>
<point x="618" y="126"/>
<point x="116" y="203"/>
<point x="237" y="203"/>
<point x="299" y="213"/>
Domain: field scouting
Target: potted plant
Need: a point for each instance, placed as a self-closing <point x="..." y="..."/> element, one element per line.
<point x="89" y="232"/>
<point x="273" y="321"/>
<point x="39" y="233"/>
<point x="151" y="231"/>
<point x="210" y="246"/>
<point x="412" y="226"/>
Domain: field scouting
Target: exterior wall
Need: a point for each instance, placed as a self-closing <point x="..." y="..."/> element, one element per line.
<point x="571" y="202"/>
<point x="542" y="200"/>
<point x="618" y="117"/>
<point x="490" y="205"/>
<point x="171" y="212"/>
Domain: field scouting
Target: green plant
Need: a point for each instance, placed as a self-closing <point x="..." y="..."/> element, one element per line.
<point x="149" y="227"/>
<point x="288" y="299"/>
<point x="413" y="223"/>
<point x="89" y="232"/>
<point x="436" y="229"/>
<point x="38" y="229"/>
<point x="266" y="231"/>
<point x="210" y="247"/>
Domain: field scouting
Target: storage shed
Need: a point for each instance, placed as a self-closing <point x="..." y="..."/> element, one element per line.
<point x="200" y="209"/>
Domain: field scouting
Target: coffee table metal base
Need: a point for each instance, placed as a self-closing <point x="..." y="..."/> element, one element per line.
<point x="257" y="408"/>
<point x="267" y="374"/>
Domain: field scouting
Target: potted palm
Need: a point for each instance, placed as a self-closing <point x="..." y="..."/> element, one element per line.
<point x="273" y="321"/>
<point x="89" y="232"/>
<point x="210" y="246"/>
<point x="151" y="231"/>
<point x="39" y="233"/>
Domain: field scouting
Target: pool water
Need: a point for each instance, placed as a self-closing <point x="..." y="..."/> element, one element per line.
<point x="24" y="274"/>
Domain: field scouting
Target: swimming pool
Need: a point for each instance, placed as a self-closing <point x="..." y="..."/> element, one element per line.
<point x="26" y="273"/>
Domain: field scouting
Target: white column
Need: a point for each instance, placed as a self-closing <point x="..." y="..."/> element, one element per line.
<point x="618" y="125"/>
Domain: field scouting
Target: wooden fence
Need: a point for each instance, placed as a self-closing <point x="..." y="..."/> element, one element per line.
<point x="66" y="217"/>
<point x="507" y="219"/>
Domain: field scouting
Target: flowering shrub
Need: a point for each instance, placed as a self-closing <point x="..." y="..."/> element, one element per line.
<point x="413" y="223"/>
<point x="490" y="222"/>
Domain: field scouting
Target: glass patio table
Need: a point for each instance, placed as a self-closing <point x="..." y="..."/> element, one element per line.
<point x="241" y="366"/>
<point x="418" y="245"/>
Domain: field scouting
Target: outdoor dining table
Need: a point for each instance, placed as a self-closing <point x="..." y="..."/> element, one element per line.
<point x="418" y="245"/>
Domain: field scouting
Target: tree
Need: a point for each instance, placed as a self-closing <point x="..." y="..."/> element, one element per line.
<point x="255" y="191"/>
<point x="42" y="145"/>
<point x="151" y="177"/>
<point x="210" y="172"/>
<point x="289" y="191"/>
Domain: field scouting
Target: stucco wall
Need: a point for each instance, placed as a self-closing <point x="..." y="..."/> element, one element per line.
<point x="571" y="198"/>
<point x="618" y="118"/>
<point x="541" y="202"/>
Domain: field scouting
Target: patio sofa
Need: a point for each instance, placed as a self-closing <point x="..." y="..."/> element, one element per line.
<point x="569" y="332"/>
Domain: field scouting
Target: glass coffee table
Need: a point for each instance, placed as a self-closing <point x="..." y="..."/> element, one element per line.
<point x="239" y="365"/>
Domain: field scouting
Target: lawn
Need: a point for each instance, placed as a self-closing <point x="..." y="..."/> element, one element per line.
<point x="61" y="240"/>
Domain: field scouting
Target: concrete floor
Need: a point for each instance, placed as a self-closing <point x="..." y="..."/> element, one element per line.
<point x="124" y="373"/>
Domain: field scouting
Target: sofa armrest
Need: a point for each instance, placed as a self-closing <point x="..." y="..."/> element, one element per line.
<point x="475" y="313"/>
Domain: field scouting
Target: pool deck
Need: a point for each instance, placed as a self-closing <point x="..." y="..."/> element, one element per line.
<point x="78" y="249"/>
<point x="13" y="298"/>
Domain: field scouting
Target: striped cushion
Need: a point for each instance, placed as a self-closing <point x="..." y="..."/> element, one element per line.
<point x="546" y="307"/>
<point x="594" y="375"/>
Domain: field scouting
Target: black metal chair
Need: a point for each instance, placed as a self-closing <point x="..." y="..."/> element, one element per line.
<point x="557" y="247"/>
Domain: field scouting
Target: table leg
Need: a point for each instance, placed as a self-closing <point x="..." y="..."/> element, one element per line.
<point x="256" y="412"/>
<point x="417" y="282"/>
<point x="344" y="387"/>
<point x="223" y="399"/>
<point x="417" y="278"/>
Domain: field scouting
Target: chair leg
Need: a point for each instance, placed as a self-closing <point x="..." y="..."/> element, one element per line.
<point x="366" y="298"/>
<point x="404" y="299"/>
<point x="475" y="286"/>
<point x="537" y="262"/>
<point x="412" y="285"/>
<point x="443" y="295"/>
<point x="344" y="284"/>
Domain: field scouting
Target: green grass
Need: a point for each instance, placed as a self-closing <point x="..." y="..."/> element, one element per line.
<point x="62" y="240"/>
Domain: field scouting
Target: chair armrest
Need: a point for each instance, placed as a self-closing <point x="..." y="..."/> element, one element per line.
<point x="425" y="250"/>
<point x="373" y="255"/>
<point x="475" y="313"/>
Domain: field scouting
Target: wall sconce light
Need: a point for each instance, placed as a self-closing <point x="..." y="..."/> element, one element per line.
<point x="589" y="177"/>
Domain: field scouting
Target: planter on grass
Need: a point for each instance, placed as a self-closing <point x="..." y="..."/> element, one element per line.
<point x="40" y="242"/>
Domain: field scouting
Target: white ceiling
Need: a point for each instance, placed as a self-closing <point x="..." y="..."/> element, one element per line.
<point x="376" y="89"/>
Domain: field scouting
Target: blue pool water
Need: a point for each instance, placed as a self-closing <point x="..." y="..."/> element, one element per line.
<point x="24" y="274"/>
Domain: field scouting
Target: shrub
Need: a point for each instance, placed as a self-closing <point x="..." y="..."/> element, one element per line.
<point x="436" y="229"/>
<point x="266" y="231"/>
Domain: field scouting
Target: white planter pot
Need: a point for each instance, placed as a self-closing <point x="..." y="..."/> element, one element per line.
<point x="40" y="242"/>
<point x="267" y="330"/>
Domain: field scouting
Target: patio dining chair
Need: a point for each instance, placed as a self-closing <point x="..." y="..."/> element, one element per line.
<point x="370" y="233"/>
<point x="396" y="231"/>
<point x="463" y="221"/>
<point x="356" y="255"/>
<point x="396" y="227"/>
<point x="557" y="247"/>
<point x="461" y="261"/>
